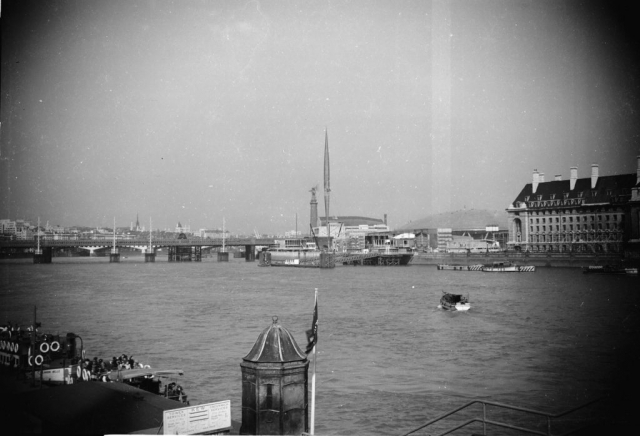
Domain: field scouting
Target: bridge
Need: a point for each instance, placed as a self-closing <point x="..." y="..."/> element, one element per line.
<point x="156" y="243"/>
<point x="179" y="249"/>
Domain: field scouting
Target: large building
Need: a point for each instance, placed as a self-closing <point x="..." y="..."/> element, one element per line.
<point x="592" y="214"/>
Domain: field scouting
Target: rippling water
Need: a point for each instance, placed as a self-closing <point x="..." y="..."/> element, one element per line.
<point x="388" y="359"/>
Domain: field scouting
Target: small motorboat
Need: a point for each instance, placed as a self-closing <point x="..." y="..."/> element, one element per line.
<point x="454" y="302"/>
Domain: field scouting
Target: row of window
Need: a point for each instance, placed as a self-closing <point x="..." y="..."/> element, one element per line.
<point x="584" y="219"/>
<point x="579" y="211"/>
<point x="571" y="238"/>
<point x="585" y="227"/>
<point x="614" y="247"/>
<point x="565" y="195"/>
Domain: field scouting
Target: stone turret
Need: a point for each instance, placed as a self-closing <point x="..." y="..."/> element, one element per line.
<point x="274" y="385"/>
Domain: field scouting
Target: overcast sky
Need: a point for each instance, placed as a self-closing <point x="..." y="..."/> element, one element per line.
<point x="193" y="111"/>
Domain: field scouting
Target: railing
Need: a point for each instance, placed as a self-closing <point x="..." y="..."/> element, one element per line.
<point x="485" y="421"/>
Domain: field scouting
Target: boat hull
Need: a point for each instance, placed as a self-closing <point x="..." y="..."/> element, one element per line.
<point x="455" y="307"/>
<point x="392" y="259"/>
<point x="461" y="267"/>
<point x="512" y="268"/>
<point x="607" y="269"/>
<point x="59" y="374"/>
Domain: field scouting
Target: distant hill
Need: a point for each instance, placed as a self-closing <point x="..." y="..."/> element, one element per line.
<point x="465" y="219"/>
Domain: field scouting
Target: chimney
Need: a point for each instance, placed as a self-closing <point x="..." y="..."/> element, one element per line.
<point x="541" y="177"/>
<point x="574" y="177"/>
<point x="638" y="171"/>
<point x="536" y="180"/>
<point x="558" y="177"/>
<point x="594" y="175"/>
<point x="385" y="219"/>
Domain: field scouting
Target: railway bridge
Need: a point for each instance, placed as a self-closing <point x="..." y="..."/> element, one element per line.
<point x="179" y="250"/>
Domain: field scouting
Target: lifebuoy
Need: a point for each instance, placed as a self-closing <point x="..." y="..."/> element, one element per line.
<point x="29" y="360"/>
<point x="55" y="346"/>
<point x="44" y="347"/>
<point x="38" y="362"/>
<point x="85" y="375"/>
<point x="147" y="366"/>
<point x="1" y="345"/>
<point x="78" y="371"/>
<point x="16" y="347"/>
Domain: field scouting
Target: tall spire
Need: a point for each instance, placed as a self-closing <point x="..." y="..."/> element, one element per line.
<point x="327" y="181"/>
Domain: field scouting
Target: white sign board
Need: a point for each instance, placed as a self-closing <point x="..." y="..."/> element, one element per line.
<point x="198" y="419"/>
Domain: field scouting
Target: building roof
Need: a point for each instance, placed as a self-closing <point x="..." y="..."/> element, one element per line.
<point x="275" y="344"/>
<point x="608" y="189"/>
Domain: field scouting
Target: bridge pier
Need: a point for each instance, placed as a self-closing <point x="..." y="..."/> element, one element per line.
<point x="327" y="260"/>
<point x="185" y="254"/>
<point x="264" y="258"/>
<point x="114" y="256"/>
<point x="43" y="255"/>
<point x="249" y="253"/>
<point x="223" y="256"/>
<point x="150" y="257"/>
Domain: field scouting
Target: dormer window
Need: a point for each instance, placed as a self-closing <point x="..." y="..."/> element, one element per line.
<point x="609" y="192"/>
<point x="526" y="198"/>
<point x="539" y="197"/>
<point x="566" y="195"/>
<point x="553" y="196"/>
<point x="580" y="194"/>
<point x="594" y="193"/>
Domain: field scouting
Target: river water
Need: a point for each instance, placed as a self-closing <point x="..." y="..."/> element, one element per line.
<point x="388" y="358"/>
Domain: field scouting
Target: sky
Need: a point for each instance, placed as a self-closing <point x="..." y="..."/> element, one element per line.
<point x="209" y="111"/>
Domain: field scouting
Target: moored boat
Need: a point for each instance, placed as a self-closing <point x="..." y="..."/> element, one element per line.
<point x="461" y="267"/>
<point x="454" y="302"/>
<point x="508" y="267"/>
<point x="609" y="269"/>
<point x="51" y="358"/>
<point x="159" y="382"/>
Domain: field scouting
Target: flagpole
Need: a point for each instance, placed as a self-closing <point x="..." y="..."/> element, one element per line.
<point x="313" y="384"/>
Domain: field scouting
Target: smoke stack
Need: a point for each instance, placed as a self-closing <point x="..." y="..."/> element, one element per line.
<point x="385" y="219"/>
<point x="536" y="180"/>
<point x="594" y="175"/>
<point x="558" y="177"/>
<point x="541" y="177"/>
<point x="638" y="171"/>
<point x="574" y="177"/>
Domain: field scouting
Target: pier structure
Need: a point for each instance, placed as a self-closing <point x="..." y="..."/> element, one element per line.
<point x="43" y="255"/>
<point x="40" y="255"/>
<point x="114" y="256"/>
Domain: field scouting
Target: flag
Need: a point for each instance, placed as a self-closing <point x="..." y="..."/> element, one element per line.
<point x="312" y="333"/>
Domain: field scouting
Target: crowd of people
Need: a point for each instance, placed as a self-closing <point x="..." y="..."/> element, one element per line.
<point x="99" y="369"/>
